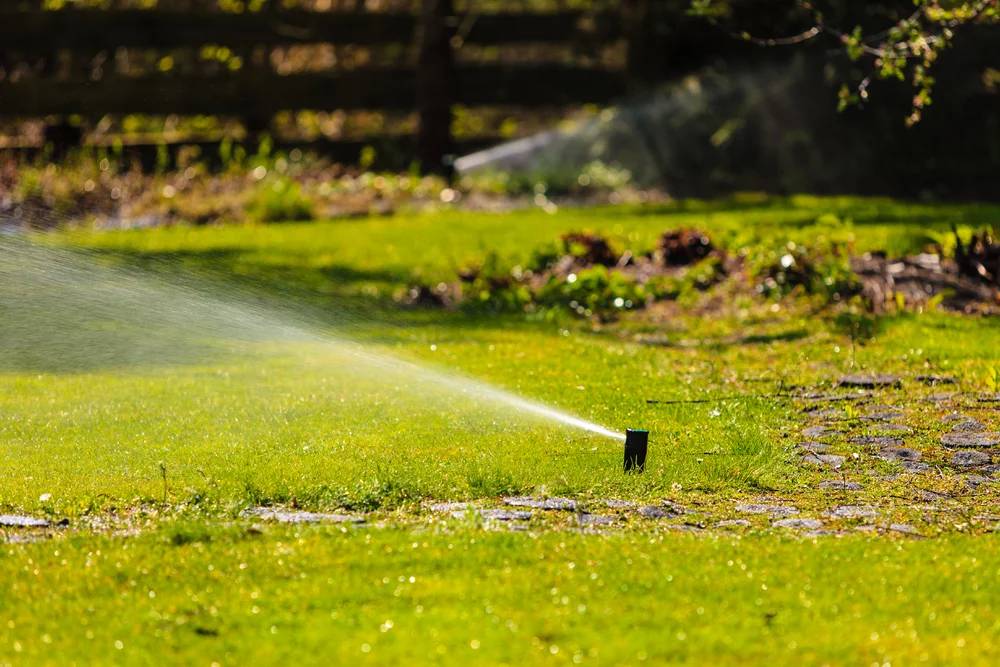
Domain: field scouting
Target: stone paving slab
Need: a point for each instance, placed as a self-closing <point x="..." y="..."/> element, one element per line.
<point x="826" y="413"/>
<point x="770" y="510"/>
<point x="833" y="398"/>
<point x="819" y="432"/>
<point x="22" y="521"/>
<point x="898" y="454"/>
<point x="875" y="441"/>
<point x="974" y="481"/>
<point x="662" y="511"/>
<point x="933" y="379"/>
<point x="798" y="523"/>
<point x="970" y="457"/>
<point x="595" y="520"/>
<point x="869" y="381"/>
<point x="853" y="512"/>
<point x="881" y="416"/>
<point x="296" y="516"/>
<point x="839" y="485"/>
<point x="498" y="515"/>
<point x="929" y="496"/>
<point x="450" y="507"/>
<point x="565" y="504"/>
<point x="614" y="503"/>
<point x="834" y="461"/>
<point x="970" y="439"/>
<point x="967" y="424"/>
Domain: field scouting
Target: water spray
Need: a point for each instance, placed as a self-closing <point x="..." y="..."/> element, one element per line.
<point x="688" y="137"/>
<point x="76" y="314"/>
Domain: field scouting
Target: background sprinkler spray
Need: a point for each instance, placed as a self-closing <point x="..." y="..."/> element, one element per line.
<point x="636" y="443"/>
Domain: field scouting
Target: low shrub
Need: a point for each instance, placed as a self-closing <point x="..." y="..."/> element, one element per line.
<point x="280" y="199"/>
<point x="824" y="272"/>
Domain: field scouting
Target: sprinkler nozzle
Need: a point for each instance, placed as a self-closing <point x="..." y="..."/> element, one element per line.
<point x="636" y="443"/>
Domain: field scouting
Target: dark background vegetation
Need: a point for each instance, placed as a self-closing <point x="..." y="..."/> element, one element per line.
<point x="398" y="85"/>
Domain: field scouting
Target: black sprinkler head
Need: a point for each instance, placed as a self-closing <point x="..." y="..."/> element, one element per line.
<point x="636" y="442"/>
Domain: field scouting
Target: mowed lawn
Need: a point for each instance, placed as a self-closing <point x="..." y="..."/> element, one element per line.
<point x="240" y="388"/>
<point x="217" y="368"/>
<point x="432" y="596"/>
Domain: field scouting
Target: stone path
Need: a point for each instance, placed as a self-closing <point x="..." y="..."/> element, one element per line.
<point x="891" y="435"/>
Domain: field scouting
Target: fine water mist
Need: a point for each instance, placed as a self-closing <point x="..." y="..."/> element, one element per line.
<point x="765" y="127"/>
<point x="66" y="311"/>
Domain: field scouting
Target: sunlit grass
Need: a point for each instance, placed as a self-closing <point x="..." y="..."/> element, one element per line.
<point x="203" y="430"/>
<point x="187" y="594"/>
<point x="297" y="421"/>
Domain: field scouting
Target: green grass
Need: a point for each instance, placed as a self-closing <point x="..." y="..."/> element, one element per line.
<point x="141" y="423"/>
<point x="223" y="595"/>
<point x="352" y="256"/>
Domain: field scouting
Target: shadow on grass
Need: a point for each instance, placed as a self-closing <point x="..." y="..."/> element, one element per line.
<point x="801" y="213"/>
<point x="70" y="312"/>
<point x="790" y="335"/>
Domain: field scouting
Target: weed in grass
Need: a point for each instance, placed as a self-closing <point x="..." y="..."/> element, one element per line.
<point x="486" y="483"/>
<point x="181" y="534"/>
<point x="163" y="474"/>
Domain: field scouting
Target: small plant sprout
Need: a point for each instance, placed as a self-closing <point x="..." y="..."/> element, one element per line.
<point x="163" y="474"/>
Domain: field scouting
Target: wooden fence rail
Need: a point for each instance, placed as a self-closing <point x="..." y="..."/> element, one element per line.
<point x="253" y="92"/>
<point x="43" y="31"/>
<point x="431" y="86"/>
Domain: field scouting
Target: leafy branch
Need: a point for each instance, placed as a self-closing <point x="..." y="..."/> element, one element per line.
<point x="906" y="50"/>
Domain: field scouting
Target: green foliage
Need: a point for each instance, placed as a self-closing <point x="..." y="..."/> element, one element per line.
<point x="490" y="483"/>
<point x="859" y="327"/>
<point x="600" y="176"/>
<point x="685" y="286"/>
<point x="280" y="199"/>
<point x="906" y="49"/>
<point x="823" y="271"/>
<point x="596" y="291"/>
<point x="182" y="533"/>
<point x="492" y="286"/>
<point x="383" y="490"/>
<point x="545" y="255"/>
<point x="367" y="157"/>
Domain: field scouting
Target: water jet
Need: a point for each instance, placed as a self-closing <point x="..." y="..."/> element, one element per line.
<point x="62" y="311"/>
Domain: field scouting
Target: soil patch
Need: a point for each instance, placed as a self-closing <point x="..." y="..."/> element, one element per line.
<point x="918" y="279"/>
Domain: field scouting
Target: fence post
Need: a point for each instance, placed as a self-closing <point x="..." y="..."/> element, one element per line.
<point x="641" y="63"/>
<point x="58" y="134"/>
<point x="435" y="87"/>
